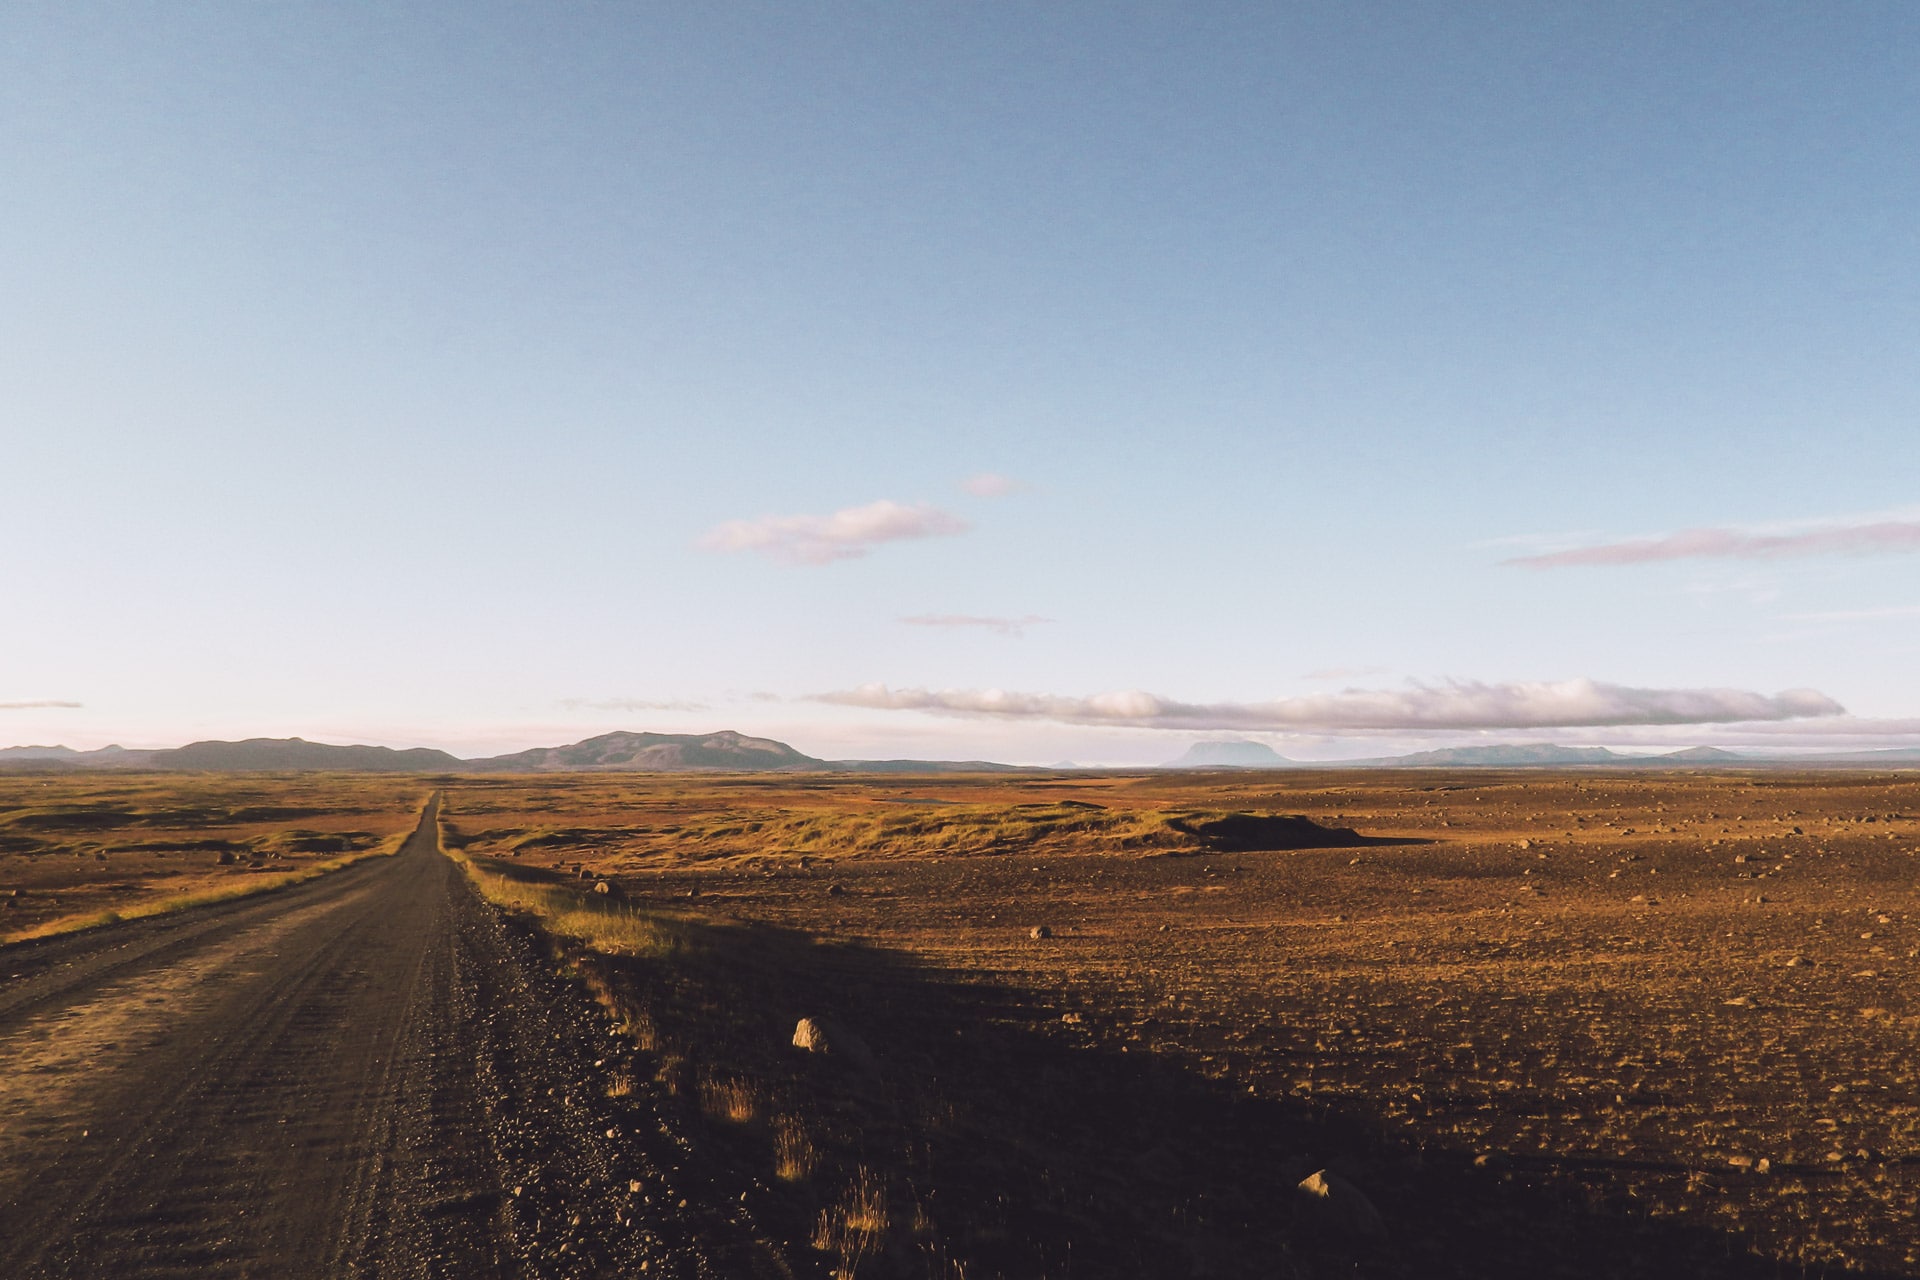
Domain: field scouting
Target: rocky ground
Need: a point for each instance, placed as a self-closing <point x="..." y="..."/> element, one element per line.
<point x="1550" y="1024"/>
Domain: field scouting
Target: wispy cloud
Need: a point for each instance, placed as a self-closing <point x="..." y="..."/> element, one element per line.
<point x="1859" y="537"/>
<point x="1005" y="626"/>
<point x="630" y="704"/>
<point x="1450" y="705"/>
<point x="991" y="484"/>
<point x="1344" y="673"/>
<point x="843" y="535"/>
<point x="42" y="704"/>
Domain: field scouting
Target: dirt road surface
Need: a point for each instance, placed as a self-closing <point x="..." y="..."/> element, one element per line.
<point x="366" y="1075"/>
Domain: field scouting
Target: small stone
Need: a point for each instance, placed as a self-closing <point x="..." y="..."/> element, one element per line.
<point x="1039" y="932"/>
<point x="1798" y="962"/>
<point x="835" y="890"/>
<point x="1345" y="1208"/>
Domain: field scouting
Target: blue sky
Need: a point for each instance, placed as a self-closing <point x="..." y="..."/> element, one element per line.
<point x="485" y="375"/>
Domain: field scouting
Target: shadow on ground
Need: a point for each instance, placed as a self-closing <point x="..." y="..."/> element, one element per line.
<point x="1274" y="833"/>
<point x="958" y="1127"/>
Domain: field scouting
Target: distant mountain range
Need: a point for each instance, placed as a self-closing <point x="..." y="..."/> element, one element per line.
<point x="1228" y="754"/>
<point x="620" y="752"/>
<point x="1520" y="755"/>
<point x="732" y="752"/>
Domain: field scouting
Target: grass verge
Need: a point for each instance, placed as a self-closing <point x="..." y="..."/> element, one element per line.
<point x="600" y="922"/>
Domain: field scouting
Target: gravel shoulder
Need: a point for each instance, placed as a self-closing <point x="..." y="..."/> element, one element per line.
<point x="371" y="1074"/>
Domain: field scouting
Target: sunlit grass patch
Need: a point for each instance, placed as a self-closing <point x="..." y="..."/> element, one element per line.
<point x="729" y="1098"/>
<point x="601" y="922"/>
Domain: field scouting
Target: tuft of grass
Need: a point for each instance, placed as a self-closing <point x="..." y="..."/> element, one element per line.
<point x="794" y="1155"/>
<point x="855" y="1229"/>
<point x="729" y="1098"/>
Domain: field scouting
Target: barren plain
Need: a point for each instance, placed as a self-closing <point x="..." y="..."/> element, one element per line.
<point x="1545" y="1023"/>
<point x="1576" y="1023"/>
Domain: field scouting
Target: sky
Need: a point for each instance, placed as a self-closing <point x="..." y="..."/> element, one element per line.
<point x="961" y="380"/>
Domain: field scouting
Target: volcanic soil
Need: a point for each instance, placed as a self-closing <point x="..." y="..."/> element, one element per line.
<point x="1578" y="1023"/>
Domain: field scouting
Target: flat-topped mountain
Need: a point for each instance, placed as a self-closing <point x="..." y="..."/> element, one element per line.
<point x="654" y="753"/>
<point x="1229" y="754"/>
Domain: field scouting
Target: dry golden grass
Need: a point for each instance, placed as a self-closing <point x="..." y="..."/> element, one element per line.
<point x="794" y="1155"/>
<point x="729" y="1098"/>
<point x="77" y="852"/>
<point x="855" y="1229"/>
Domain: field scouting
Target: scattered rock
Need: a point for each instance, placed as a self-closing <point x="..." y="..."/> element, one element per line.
<point x="816" y="1035"/>
<point x="1039" y="932"/>
<point x="835" y="890"/>
<point x="1798" y="962"/>
<point x="1342" y="1206"/>
<point x="226" y="858"/>
<point x="606" y="888"/>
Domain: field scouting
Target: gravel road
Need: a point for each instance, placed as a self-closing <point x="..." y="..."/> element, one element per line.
<point x="367" y="1075"/>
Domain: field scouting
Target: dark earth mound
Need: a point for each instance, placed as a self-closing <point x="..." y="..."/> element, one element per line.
<point x="1265" y="832"/>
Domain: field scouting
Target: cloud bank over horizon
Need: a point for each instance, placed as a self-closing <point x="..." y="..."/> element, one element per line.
<point x="1860" y="537"/>
<point x="1453" y="705"/>
<point x="845" y="535"/>
<point x="44" y="704"/>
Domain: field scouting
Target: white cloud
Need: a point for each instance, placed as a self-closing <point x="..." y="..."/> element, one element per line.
<point x="991" y="484"/>
<point x="1005" y="626"/>
<point x="1454" y="705"/>
<point x="629" y="704"/>
<point x="843" y="535"/>
<point x="44" y="704"/>
<point x="1854" y="536"/>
